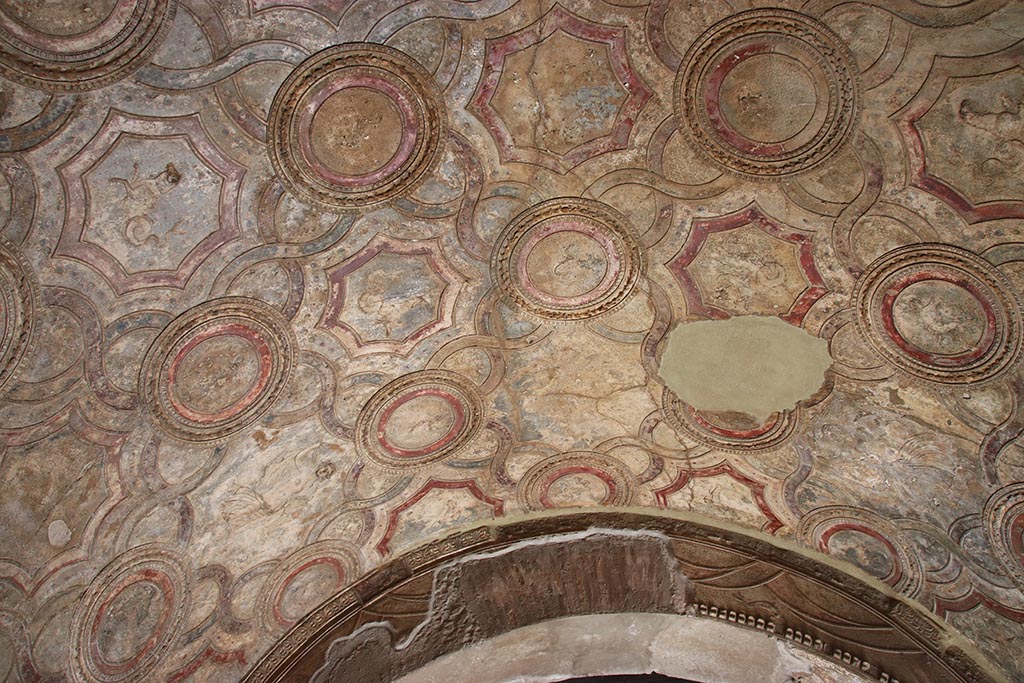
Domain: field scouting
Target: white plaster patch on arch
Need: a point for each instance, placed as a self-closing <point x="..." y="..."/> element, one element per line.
<point x="631" y="643"/>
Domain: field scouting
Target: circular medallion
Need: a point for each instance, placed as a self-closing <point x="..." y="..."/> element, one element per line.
<point x="576" y="479"/>
<point x="354" y="125"/>
<point x="303" y="580"/>
<point x="75" y="46"/>
<point x="1004" y="520"/>
<point x="767" y="93"/>
<point x="567" y="259"/>
<point x="418" y="419"/>
<point x="940" y="313"/>
<point x="129" y="616"/>
<point x="217" y="368"/>
<point x="16" y="311"/>
<point x="725" y="431"/>
<point x="867" y="540"/>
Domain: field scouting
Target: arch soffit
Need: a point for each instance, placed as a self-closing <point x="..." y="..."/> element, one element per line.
<point x="487" y="580"/>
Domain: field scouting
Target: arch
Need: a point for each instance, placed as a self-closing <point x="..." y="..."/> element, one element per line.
<point x="488" y="580"/>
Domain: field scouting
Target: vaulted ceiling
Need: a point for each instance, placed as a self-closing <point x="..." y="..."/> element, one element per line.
<point x="291" y="287"/>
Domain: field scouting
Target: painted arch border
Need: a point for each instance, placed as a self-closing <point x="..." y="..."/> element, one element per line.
<point x="304" y="649"/>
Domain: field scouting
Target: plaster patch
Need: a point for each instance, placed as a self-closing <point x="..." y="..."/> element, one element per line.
<point x="58" y="533"/>
<point x="681" y="647"/>
<point x="747" y="364"/>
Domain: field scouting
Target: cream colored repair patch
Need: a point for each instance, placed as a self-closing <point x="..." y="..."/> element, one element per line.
<point x="748" y="364"/>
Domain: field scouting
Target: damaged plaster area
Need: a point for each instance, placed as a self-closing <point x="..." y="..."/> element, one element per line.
<point x="748" y="364"/>
<point x="484" y="595"/>
<point x="682" y="647"/>
<point x="614" y="603"/>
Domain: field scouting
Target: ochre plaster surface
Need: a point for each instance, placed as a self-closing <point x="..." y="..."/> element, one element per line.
<point x="290" y="287"/>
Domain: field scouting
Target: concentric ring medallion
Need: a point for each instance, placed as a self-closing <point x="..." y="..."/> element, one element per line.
<point x="16" y="310"/>
<point x="56" y="49"/>
<point x="1004" y="519"/>
<point x="418" y="419"/>
<point x="217" y="368"/>
<point x="940" y="313"/>
<point x="129" y="617"/>
<point x="767" y="93"/>
<point x="565" y="479"/>
<point x="300" y="580"/>
<point x="567" y="259"/>
<point x="354" y="125"/>
<point x="825" y="527"/>
<point x="729" y="432"/>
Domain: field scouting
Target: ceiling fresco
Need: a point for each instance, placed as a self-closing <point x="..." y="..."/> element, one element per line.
<point x="289" y="288"/>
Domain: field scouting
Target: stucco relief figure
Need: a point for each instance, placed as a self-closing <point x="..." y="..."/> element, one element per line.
<point x="141" y="196"/>
<point x="284" y="485"/>
<point x="1001" y="120"/>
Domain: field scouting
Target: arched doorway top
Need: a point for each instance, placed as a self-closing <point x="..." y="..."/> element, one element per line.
<point x="487" y="580"/>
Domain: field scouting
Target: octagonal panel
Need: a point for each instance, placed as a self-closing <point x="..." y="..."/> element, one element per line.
<point x="559" y="91"/>
<point x="746" y="263"/>
<point x="974" y="136"/>
<point x="125" y="190"/>
<point x="391" y="295"/>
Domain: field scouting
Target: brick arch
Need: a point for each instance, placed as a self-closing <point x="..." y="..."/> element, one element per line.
<point x="488" y="580"/>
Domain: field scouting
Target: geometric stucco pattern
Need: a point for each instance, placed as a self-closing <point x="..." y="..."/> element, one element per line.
<point x="291" y="287"/>
<point x="481" y="582"/>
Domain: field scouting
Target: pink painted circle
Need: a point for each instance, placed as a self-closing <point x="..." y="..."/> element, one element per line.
<point x="357" y="130"/>
<point x="419" y="419"/>
<point x="864" y="547"/>
<point x="567" y="259"/>
<point x="767" y="93"/>
<point x="878" y="545"/>
<point x="420" y="422"/>
<point x="940" y="313"/>
<point x="217" y="368"/>
<point x="354" y="125"/>
<point x="79" y="45"/>
<point x="205" y="387"/>
<point x="129" y="617"/>
<point x="302" y="580"/>
<point x="938" y="317"/>
<point x="574" y="479"/>
<point x="566" y="263"/>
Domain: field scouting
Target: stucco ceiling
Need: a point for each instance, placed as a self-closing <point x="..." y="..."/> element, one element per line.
<point x="290" y="287"/>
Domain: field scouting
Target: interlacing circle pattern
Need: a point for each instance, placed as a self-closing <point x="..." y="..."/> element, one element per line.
<point x="290" y="289"/>
<point x="17" y="304"/>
